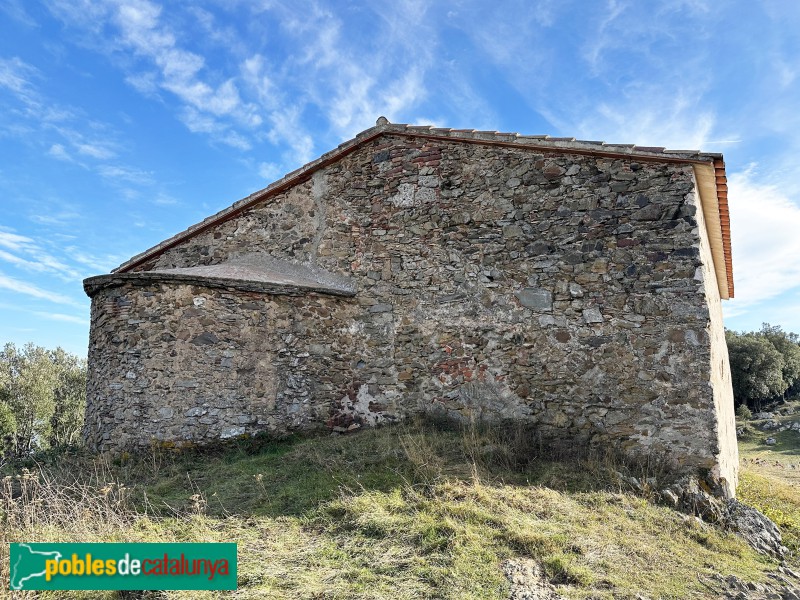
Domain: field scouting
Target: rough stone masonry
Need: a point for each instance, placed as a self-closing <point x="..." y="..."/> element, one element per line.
<point x="573" y="286"/>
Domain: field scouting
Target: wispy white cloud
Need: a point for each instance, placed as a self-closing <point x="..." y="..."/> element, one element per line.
<point x="65" y="133"/>
<point x="269" y="171"/>
<point x="603" y="37"/>
<point x="199" y="122"/>
<point x="74" y="143"/>
<point x="765" y="244"/>
<point x="628" y="75"/>
<point x="120" y="173"/>
<point x="137" y="28"/>
<point x="467" y="107"/>
<point x="15" y="75"/>
<point x="255" y="75"/>
<point x="349" y="80"/>
<point x="89" y="15"/>
<point x="522" y="51"/>
<point x="99" y="150"/>
<point x="145" y="82"/>
<point x="647" y="118"/>
<point x="20" y="78"/>
<point x="58" y="151"/>
<point x="97" y="264"/>
<point x="271" y="96"/>
<point x="163" y="199"/>
<point x="208" y="106"/>
<point x="515" y="43"/>
<point x="16" y="10"/>
<point x="284" y="118"/>
<point x="62" y="317"/>
<point x="287" y="126"/>
<point x="15" y="241"/>
<point x="25" y="253"/>
<point x="50" y="316"/>
<point x="353" y="84"/>
<point x="219" y="34"/>
<point x="62" y="215"/>
<point x="21" y="262"/>
<point x="28" y="289"/>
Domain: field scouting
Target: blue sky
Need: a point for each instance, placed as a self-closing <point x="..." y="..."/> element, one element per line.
<point x="123" y="122"/>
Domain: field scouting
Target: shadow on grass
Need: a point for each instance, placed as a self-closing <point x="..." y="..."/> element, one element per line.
<point x="292" y="477"/>
<point x="787" y="443"/>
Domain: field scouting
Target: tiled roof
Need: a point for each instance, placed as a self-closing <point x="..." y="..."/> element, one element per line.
<point x="724" y="218"/>
<point x="515" y="140"/>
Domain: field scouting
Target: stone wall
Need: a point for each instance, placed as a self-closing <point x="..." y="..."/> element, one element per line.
<point x="720" y="383"/>
<point x="493" y="282"/>
<point x="188" y="363"/>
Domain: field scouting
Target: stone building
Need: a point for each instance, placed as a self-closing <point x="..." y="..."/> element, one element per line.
<point x="571" y="285"/>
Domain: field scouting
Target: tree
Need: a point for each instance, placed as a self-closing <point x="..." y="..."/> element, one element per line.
<point x="786" y="344"/>
<point x="70" y="399"/>
<point x="8" y="428"/>
<point x="42" y="396"/>
<point x="756" y="368"/>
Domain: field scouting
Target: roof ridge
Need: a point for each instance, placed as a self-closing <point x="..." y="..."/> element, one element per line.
<point x="384" y="125"/>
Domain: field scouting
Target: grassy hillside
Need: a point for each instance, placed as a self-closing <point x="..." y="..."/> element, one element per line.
<point x="770" y="476"/>
<point x="403" y="512"/>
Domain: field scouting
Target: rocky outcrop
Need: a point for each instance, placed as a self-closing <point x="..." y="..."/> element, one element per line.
<point x="692" y="496"/>
<point x="527" y="580"/>
<point x="757" y="529"/>
<point x="783" y="584"/>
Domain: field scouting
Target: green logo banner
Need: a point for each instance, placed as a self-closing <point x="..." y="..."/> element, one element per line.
<point x="43" y="566"/>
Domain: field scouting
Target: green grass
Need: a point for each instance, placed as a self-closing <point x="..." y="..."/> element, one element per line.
<point x="779" y="500"/>
<point x="770" y="476"/>
<point x="401" y="512"/>
<point x="781" y="461"/>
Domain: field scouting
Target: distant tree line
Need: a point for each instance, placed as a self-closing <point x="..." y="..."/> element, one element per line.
<point x="765" y="365"/>
<point x="42" y="399"/>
